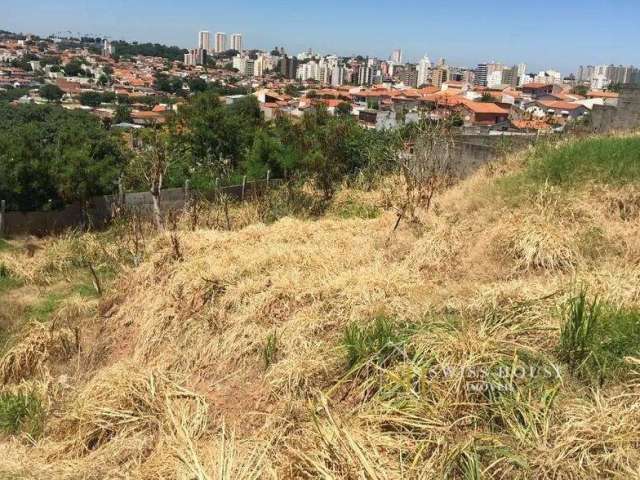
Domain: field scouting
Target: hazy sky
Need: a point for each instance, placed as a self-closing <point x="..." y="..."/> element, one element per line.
<point x="558" y="34"/>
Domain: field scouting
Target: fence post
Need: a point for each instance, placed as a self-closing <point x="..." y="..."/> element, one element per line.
<point x="3" y="208"/>
<point x="121" y="198"/>
<point x="187" y="191"/>
<point x="244" y="184"/>
<point x="268" y="176"/>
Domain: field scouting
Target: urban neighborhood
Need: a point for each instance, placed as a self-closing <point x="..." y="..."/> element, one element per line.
<point x="131" y="85"/>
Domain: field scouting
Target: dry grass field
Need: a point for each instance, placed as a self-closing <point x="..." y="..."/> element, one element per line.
<point x="496" y="337"/>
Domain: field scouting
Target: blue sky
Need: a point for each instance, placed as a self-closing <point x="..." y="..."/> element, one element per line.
<point x="559" y="34"/>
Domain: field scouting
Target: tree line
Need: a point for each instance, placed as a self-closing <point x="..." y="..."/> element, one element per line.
<point x="50" y="156"/>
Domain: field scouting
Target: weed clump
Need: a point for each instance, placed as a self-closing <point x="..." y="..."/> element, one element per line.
<point x="21" y="412"/>
<point x="379" y="343"/>
<point x="596" y="339"/>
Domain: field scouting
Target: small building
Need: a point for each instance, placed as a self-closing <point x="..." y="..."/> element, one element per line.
<point x="537" y="90"/>
<point x="483" y="113"/>
<point x="558" y="108"/>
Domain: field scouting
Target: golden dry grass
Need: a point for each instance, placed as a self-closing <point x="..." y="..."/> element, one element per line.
<point x="175" y="383"/>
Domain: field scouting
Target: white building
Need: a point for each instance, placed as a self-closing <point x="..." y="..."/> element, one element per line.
<point x="396" y="56"/>
<point x="221" y="42"/>
<point x="424" y="71"/>
<point x="494" y="79"/>
<point x="236" y="42"/>
<point x="107" y="49"/>
<point x="522" y="71"/>
<point x="599" y="81"/>
<point x="548" y="77"/>
<point x="337" y="76"/>
<point x="204" y="40"/>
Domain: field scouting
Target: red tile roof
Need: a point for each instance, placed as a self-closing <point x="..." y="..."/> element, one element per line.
<point x="560" y="105"/>
<point x="485" y="107"/>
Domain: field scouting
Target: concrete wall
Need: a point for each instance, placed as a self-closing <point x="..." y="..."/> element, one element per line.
<point x="100" y="209"/>
<point x="626" y="116"/>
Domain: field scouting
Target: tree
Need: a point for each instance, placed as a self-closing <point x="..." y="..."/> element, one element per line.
<point x="151" y="162"/>
<point x="50" y="92"/>
<point x="166" y="83"/>
<point x="196" y="84"/>
<point x="615" y="87"/>
<point x="122" y="114"/>
<point x="343" y="109"/>
<point x="91" y="99"/>
<point x="427" y="171"/>
<point x="73" y="69"/>
<point x="266" y="153"/>
<point x="580" y="90"/>
<point x="103" y="80"/>
<point x="51" y="156"/>
<point x="487" y="98"/>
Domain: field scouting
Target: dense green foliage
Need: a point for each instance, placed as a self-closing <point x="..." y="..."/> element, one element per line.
<point x="11" y="94"/>
<point x="126" y="49"/>
<point x="50" y="92"/>
<point x="50" y="156"/>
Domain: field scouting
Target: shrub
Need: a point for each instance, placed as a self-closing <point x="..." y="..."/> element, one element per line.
<point x="21" y="413"/>
<point x="380" y="343"/>
<point x="595" y="339"/>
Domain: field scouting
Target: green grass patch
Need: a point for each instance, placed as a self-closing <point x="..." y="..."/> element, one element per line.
<point x="21" y="413"/>
<point x="7" y="280"/>
<point x="596" y="338"/>
<point x="4" y="245"/>
<point x="606" y="160"/>
<point x="43" y="310"/>
<point x="380" y="343"/>
<point x="355" y="209"/>
<point x="85" y="290"/>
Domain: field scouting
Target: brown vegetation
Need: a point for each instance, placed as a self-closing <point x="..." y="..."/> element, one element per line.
<point x="239" y="359"/>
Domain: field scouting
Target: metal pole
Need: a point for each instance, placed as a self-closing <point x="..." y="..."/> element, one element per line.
<point x="268" y="176"/>
<point x="244" y="185"/>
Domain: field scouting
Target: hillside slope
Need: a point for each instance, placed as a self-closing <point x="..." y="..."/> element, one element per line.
<point x="498" y="339"/>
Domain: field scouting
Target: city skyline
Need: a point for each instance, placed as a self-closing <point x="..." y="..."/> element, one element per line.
<point x="510" y="36"/>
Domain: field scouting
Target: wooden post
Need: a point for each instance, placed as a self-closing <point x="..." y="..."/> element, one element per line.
<point x="268" y="176"/>
<point x="3" y="208"/>
<point x="187" y="191"/>
<point x="121" y="198"/>
<point x="244" y="185"/>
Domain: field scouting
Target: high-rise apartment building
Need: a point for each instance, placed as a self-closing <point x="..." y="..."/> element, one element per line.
<point x="288" y="66"/>
<point x="204" y="40"/>
<point x="236" y="42"/>
<point x="196" y="56"/>
<point x="221" y="42"/>
<point x="365" y="75"/>
<point x="396" y="56"/>
<point x="481" y="75"/>
<point x="439" y="76"/>
<point x="424" y="68"/>
<point x="522" y="72"/>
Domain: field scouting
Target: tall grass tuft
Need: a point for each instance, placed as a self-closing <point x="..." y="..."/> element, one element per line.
<point x="380" y="342"/>
<point x="21" y="412"/>
<point x="576" y="335"/>
<point x="270" y="349"/>
<point x="596" y="339"/>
